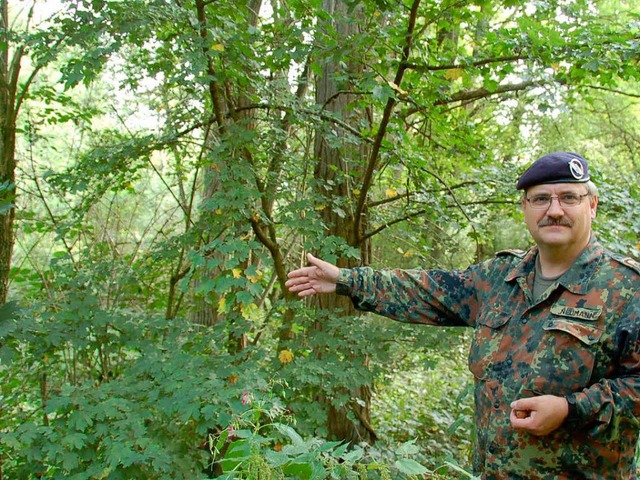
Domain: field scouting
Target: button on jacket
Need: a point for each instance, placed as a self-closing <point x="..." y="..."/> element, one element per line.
<point x="579" y="339"/>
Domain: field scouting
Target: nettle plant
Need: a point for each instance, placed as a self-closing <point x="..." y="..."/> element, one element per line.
<point x="262" y="443"/>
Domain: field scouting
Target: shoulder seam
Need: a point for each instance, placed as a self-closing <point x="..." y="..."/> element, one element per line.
<point x="629" y="262"/>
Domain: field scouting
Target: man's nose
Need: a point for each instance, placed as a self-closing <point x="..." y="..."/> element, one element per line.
<point x="555" y="210"/>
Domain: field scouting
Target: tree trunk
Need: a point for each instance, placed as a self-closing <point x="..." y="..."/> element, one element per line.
<point x="9" y="70"/>
<point x="226" y="102"/>
<point x="332" y="168"/>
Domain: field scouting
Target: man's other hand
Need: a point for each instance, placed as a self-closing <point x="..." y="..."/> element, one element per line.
<point x="539" y="415"/>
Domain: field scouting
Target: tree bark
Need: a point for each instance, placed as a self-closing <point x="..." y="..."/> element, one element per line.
<point x="226" y="102"/>
<point x="333" y="166"/>
<point x="9" y="71"/>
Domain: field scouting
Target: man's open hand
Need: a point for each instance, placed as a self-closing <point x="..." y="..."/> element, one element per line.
<point x="320" y="277"/>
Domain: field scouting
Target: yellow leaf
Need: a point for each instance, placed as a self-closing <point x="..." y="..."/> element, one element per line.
<point x="218" y="47"/>
<point x="397" y="88"/>
<point x="237" y="273"/>
<point x="285" y="356"/>
<point x="222" y="305"/>
<point x="391" y="192"/>
<point x="218" y="211"/>
<point x="453" y="74"/>
<point x="356" y="192"/>
<point x="250" y="312"/>
<point x="255" y="278"/>
<point x="555" y="66"/>
<point x="320" y="207"/>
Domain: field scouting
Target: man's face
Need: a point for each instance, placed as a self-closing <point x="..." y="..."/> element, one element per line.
<point x="558" y="225"/>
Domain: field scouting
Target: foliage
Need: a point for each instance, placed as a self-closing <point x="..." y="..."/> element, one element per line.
<point x="117" y="396"/>
<point x="254" y="450"/>
<point x="426" y="394"/>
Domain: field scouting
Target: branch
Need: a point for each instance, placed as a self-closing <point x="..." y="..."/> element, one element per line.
<point x="322" y="115"/>
<point x="52" y="216"/>
<point x="386" y="117"/>
<point x="155" y="169"/>
<point x="401" y="196"/>
<point x="32" y="76"/>
<point x="455" y="200"/>
<point x="462" y="66"/>
<point x="613" y="90"/>
<point x="386" y="225"/>
<point x="479" y="93"/>
<point x="424" y="211"/>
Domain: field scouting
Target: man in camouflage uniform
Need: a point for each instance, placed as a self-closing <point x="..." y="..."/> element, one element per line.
<point x="556" y="353"/>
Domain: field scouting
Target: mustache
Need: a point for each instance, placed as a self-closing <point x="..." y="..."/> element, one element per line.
<point x="563" y="221"/>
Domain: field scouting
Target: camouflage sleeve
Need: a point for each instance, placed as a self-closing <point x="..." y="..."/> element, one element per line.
<point x="612" y="405"/>
<point x="432" y="297"/>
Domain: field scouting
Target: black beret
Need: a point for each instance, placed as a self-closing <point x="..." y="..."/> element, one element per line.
<point x="556" y="167"/>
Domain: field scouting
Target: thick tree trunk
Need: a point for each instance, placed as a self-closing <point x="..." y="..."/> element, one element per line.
<point x="226" y="101"/>
<point x="333" y="166"/>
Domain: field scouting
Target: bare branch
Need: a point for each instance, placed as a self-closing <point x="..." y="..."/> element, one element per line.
<point x="386" y="117"/>
<point x="462" y="66"/>
<point x="613" y="90"/>
<point x="479" y="93"/>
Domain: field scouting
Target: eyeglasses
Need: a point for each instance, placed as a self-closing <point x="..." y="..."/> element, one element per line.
<point x="543" y="201"/>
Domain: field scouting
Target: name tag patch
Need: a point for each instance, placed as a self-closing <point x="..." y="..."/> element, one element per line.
<point x="580" y="313"/>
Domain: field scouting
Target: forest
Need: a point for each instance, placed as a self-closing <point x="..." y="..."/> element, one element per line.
<point x="165" y="163"/>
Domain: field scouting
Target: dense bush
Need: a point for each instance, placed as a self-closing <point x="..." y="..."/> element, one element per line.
<point x="89" y="392"/>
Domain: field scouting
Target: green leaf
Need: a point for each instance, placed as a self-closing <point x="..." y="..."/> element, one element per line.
<point x="383" y="93"/>
<point x="8" y="311"/>
<point x="410" y="467"/>
<point x="299" y="470"/>
<point x="408" y="448"/>
<point x="340" y="448"/>
<point x="291" y="433"/>
<point x="276" y="459"/>
<point x="75" y="440"/>
<point x="353" y="456"/>
<point x="238" y="452"/>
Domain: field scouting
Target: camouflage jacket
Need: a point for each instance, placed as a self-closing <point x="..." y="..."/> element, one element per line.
<point x="580" y="339"/>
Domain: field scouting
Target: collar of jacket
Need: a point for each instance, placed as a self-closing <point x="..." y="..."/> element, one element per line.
<point x="576" y="279"/>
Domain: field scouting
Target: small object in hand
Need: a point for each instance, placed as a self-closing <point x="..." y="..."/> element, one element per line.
<point x="522" y="413"/>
